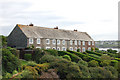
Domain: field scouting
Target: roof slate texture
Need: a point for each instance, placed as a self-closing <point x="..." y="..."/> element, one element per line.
<point x="51" y="33"/>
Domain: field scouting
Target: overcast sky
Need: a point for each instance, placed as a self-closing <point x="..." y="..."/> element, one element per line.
<point x="99" y="18"/>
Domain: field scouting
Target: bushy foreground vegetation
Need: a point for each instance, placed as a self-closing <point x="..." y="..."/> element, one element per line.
<point x="63" y="64"/>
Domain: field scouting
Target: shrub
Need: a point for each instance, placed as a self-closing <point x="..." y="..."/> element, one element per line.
<point x="9" y="61"/>
<point x="14" y="51"/>
<point x="83" y="63"/>
<point x="105" y="63"/>
<point x="92" y="63"/>
<point x="78" y="50"/>
<point x="99" y="72"/>
<point x="38" y="53"/>
<point x="28" y="57"/>
<point x="91" y="52"/>
<point x="114" y="62"/>
<point x="31" y="63"/>
<point x="73" y="57"/>
<point x="105" y="57"/>
<point x="52" y="52"/>
<point x="67" y="57"/>
<point x="111" y="51"/>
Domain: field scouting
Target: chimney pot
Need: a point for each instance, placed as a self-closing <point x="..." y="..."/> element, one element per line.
<point x="56" y="27"/>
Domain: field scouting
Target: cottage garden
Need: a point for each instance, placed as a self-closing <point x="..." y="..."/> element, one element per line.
<point x="59" y="64"/>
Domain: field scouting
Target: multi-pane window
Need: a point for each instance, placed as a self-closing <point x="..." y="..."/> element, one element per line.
<point x="92" y="42"/>
<point x="54" y="48"/>
<point x="47" y="41"/>
<point x="58" y="48"/>
<point x="58" y="41"/>
<point x="53" y="41"/>
<point x="38" y="41"/>
<point x="71" y="48"/>
<point x="89" y="48"/>
<point x="79" y="42"/>
<point x="63" y="42"/>
<point x="75" y="48"/>
<point x="30" y="40"/>
<point x="63" y="48"/>
<point x="83" y="49"/>
<point x="83" y="42"/>
<point x="71" y="42"/>
<point x="89" y="43"/>
<point x="75" y="42"/>
<point x="47" y="47"/>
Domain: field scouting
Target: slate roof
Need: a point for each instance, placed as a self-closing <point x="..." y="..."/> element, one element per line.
<point x="42" y="32"/>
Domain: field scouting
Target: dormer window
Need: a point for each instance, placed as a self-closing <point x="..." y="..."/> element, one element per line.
<point x="38" y="40"/>
<point x="30" y="40"/>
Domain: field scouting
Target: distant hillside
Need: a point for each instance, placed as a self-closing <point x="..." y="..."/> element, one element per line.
<point x="107" y="44"/>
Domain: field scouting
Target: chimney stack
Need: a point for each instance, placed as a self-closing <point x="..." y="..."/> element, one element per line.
<point x="75" y="30"/>
<point x="56" y="27"/>
<point x="31" y="24"/>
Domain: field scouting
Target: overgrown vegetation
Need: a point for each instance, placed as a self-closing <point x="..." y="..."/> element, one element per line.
<point x="62" y="64"/>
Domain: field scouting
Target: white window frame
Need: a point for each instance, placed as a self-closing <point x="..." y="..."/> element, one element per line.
<point x="54" y="41"/>
<point x="58" y="41"/>
<point x="48" y="41"/>
<point x="89" y="42"/>
<point x="58" y="48"/>
<point x="54" y="48"/>
<point x="79" y="42"/>
<point x="83" y="49"/>
<point x="75" y="42"/>
<point x="38" y="40"/>
<point x="71" y="42"/>
<point x="92" y="42"/>
<point x="38" y="47"/>
<point x="83" y="42"/>
<point x="47" y="47"/>
<point x="71" y="48"/>
<point x="63" y="48"/>
<point x="75" y="48"/>
<point x="63" y="42"/>
<point x="89" y="48"/>
<point x="30" y="40"/>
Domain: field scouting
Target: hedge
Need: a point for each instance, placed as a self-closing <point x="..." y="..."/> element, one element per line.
<point x="83" y="56"/>
<point x="91" y="52"/>
<point x="73" y="57"/>
<point x="28" y="57"/>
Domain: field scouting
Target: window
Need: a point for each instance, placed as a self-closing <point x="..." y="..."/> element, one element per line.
<point x="75" y="42"/>
<point x="83" y="42"/>
<point x="92" y="42"/>
<point x="83" y="49"/>
<point x="54" y="48"/>
<point x="71" y="42"/>
<point x="63" y="48"/>
<point x="38" y="47"/>
<point x="79" y="42"/>
<point x="79" y="49"/>
<point x="89" y="43"/>
<point x="89" y="48"/>
<point x="47" y="41"/>
<point x="30" y="40"/>
<point x="63" y="42"/>
<point x="71" y="48"/>
<point x="38" y="41"/>
<point x="58" y="48"/>
<point x="47" y="47"/>
<point x="58" y="41"/>
<point x="75" y="48"/>
<point x="54" y="41"/>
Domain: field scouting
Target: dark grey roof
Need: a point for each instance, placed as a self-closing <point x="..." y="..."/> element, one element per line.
<point x="42" y="32"/>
